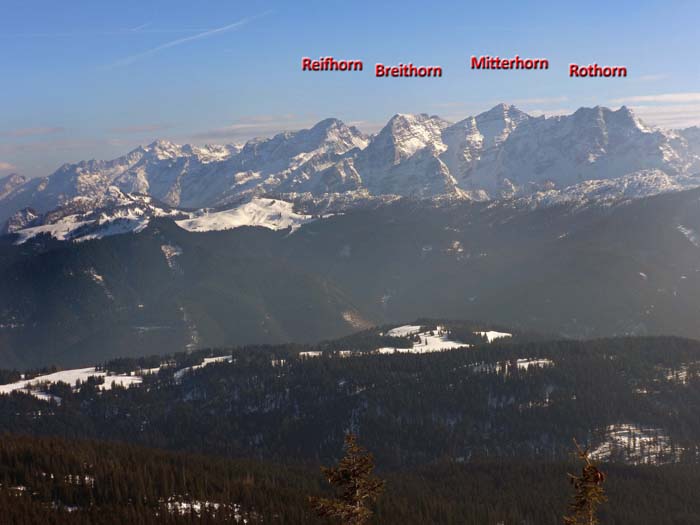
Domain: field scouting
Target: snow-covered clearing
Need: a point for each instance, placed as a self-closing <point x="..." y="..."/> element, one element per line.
<point x="504" y="367"/>
<point x="636" y="445"/>
<point x="36" y="385"/>
<point x="491" y="335"/>
<point x="427" y="341"/>
<point x="437" y="342"/>
<point x="404" y="331"/>
<point x="207" y="361"/>
<point x="33" y="386"/>
<point x="184" y="506"/>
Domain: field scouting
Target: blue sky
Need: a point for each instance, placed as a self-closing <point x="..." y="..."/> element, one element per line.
<point x="86" y="79"/>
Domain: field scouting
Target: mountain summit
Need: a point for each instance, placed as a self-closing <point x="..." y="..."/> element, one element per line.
<point x="502" y="152"/>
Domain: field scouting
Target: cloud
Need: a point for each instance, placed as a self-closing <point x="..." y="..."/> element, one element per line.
<point x="52" y="146"/>
<point x="205" y="34"/>
<point x="139" y="28"/>
<point x="666" y="110"/>
<point x="675" y="116"/>
<point x="268" y="125"/>
<point x="30" y="132"/>
<point x="674" y="98"/>
<point x="6" y="166"/>
<point x="141" y="128"/>
<point x="367" y="126"/>
<point x="256" y="126"/>
<point x="532" y="106"/>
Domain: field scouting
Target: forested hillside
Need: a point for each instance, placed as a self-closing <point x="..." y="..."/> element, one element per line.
<point x="60" y="482"/>
<point x="578" y="271"/>
<point x="634" y="400"/>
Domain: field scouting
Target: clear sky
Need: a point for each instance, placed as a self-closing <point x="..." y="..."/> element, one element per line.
<point x="93" y="79"/>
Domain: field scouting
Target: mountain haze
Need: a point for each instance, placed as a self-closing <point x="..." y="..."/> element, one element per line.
<point x="500" y="153"/>
<point x="581" y="225"/>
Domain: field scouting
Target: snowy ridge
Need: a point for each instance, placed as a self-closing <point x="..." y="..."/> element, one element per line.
<point x="594" y="153"/>
<point x="133" y="214"/>
<point x="83" y="219"/>
<point x="266" y="213"/>
<point x="36" y="385"/>
<point x="645" y="183"/>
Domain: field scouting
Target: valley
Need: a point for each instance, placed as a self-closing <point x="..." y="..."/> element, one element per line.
<point x="627" y="267"/>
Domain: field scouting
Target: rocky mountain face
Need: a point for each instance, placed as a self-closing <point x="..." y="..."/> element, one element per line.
<point x="500" y="153"/>
<point x="9" y="183"/>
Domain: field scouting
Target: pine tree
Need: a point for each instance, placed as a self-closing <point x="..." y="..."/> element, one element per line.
<point x="588" y="492"/>
<point x="358" y="487"/>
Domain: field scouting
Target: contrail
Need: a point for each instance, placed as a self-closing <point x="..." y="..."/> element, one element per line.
<point x="230" y="27"/>
<point x="122" y="32"/>
<point x="139" y="28"/>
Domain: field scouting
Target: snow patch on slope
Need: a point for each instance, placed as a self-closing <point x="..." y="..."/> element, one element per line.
<point x="62" y="230"/>
<point x="170" y="251"/>
<point x="267" y="213"/>
<point x="403" y="331"/>
<point x="690" y="234"/>
<point x="640" y="184"/>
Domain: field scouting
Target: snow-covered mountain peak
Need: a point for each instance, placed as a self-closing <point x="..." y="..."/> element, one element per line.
<point x="164" y="149"/>
<point x="328" y="124"/>
<point x="338" y="136"/>
<point x="496" y="124"/>
<point x="501" y="152"/>
<point x="604" y="118"/>
<point x="405" y="134"/>
<point x="211" y="152"/>
<point x="637" y="121"/>
<point x="504" y="112"/>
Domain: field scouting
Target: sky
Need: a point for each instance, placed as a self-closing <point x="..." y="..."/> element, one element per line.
<point x="84" y="79"/>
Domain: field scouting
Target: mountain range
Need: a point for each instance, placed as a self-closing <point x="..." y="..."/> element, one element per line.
<point x="594" y="153"/>
<point x="581" y="225"/>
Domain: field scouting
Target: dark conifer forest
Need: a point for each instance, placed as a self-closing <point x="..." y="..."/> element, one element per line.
<point x="58" y="481"/>
<point x="466" y="436"/>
